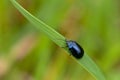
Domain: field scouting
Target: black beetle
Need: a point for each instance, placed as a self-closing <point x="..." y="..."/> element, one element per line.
<point x="75" y="49"/>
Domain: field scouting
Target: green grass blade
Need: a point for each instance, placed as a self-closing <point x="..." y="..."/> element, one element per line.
<point x="86" y="62"/>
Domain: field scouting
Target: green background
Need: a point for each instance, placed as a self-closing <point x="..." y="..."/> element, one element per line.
<point x="27" y="54"/>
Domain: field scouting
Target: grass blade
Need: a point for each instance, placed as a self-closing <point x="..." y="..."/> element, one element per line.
<point x="86" y="61"/>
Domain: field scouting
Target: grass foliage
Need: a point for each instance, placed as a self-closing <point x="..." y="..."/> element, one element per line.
<point x="27" y="53"/>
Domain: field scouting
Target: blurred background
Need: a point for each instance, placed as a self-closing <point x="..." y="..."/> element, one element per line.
<point x="27" y="54"/>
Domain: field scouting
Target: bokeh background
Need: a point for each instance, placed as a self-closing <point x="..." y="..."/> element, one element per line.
<point x="27" y="54"/>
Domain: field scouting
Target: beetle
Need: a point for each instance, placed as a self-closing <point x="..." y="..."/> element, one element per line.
<point x="75" y="49"/>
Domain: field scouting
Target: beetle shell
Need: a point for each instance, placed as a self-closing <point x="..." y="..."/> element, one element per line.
<point x="75" y="49"/>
